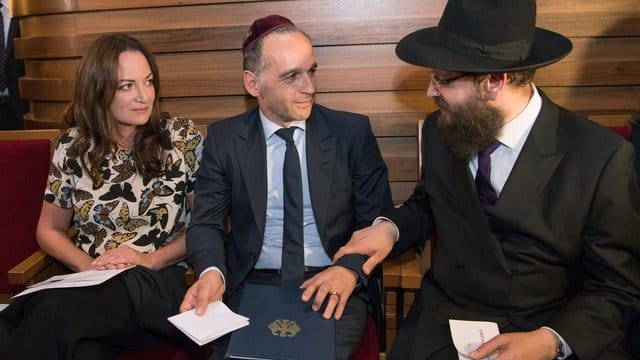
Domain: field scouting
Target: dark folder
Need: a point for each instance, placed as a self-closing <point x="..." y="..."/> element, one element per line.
<point x="281" y="326"/>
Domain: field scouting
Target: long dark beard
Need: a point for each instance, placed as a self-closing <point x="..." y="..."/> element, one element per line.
<point x="469" y="127"/>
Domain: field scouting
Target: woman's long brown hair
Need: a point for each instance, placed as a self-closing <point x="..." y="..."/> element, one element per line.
<point x="95" y="87"/>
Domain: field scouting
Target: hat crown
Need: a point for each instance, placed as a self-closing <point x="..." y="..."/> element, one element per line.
<point x="262" y="27"/>
<point x="498" y="29"/>
<point x="480" y="36"/>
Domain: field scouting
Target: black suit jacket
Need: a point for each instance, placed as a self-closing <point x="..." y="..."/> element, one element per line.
<point x="635" y="140"/>
<point x="14" y="69"/>
<point x="348" y="182"/>
<point x="561" y="248"/>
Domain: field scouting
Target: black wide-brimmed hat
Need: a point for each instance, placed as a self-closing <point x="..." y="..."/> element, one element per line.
<point x="479" y="36"/>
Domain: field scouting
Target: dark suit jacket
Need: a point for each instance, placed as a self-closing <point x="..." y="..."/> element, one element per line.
<point x="348" y="183"/>
<point x="561" y="248"/>
<point x="635" y="140"/>
<point x="14" y="68"/>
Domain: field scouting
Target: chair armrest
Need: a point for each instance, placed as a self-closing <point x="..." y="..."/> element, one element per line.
<point x="391" y="273"/>
<point x="37" y="267"/>
<point x="190" y="276"/>
<point x="40" y="266"/>
<point x="402" y="272"/>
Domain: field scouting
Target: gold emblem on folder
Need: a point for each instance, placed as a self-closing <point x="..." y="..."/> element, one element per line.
<point x="284" y="328"/>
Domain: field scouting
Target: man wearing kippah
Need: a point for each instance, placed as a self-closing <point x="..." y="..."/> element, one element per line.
<point x="535" y="208"/>
<point x="296" y="179"/>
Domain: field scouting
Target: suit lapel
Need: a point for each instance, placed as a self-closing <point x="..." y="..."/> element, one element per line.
<point x="534" y="167"/>
<point x="530" y="175"/>
<point x="321" y="148"/>
<point x="469" y="203"/>
<point x="251" y="154"/>
<point x="465" y="186"/>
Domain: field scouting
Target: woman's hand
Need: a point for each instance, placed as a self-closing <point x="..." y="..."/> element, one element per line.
<point x="120" y="258"/>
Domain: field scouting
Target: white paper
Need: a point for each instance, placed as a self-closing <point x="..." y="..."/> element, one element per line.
<point x="215" y="322"/>
<point x="469" y="335"/>
<point x="78" y="279"/>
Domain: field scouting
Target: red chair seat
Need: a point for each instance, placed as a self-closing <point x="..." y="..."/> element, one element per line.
<point x="370" y="347"/>
<point x="623" y="131"/>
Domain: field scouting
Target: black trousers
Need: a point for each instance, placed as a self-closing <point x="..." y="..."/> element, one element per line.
<point x="127" y="313"/>
<point x="349" y="329"/>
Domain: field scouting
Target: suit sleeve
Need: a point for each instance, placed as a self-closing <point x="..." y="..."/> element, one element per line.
<point x="599" y="313"/>
<point x="371" y="190"/>
<point x="413" y="218"/>
<point x="207" y="232"/>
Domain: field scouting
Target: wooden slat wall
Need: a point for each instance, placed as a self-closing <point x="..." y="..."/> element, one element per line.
<point x="197" y="46"/>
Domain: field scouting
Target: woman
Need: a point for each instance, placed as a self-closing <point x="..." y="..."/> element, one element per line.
<point x="124" y="173"/>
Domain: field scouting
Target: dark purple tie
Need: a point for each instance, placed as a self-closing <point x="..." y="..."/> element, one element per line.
<point x="292" y="268"/>
<point x="486" y="192"/>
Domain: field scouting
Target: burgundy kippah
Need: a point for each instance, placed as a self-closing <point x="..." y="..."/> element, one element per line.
<point x="262" y="27"/>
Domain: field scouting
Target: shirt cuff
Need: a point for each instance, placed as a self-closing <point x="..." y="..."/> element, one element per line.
<point x="567" y="349"/>
<point x="214" y="268"/>
<point x="380" y="219"/>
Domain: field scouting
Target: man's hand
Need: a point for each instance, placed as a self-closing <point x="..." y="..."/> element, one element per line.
<point x="375" y="241"/>
<point x="539" y="344"/>
<point x="336" y="283"/>
<point x="208" y="288"/>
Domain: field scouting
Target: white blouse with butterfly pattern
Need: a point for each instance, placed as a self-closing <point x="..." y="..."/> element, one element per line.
<point x="125" y="208"/>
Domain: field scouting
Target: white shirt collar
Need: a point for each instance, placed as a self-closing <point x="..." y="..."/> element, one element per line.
<point x="269" y="127"/>
<point x="513" y="132"/>
<point x="5" y="10"/>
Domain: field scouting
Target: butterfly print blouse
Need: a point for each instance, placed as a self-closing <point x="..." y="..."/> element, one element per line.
<point x="124" y="207"/>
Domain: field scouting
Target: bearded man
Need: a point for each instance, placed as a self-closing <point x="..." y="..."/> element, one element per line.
<point x="536" y="208"/>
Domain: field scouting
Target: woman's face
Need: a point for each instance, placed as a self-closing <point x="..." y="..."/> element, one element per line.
<point x="133" y="101"/>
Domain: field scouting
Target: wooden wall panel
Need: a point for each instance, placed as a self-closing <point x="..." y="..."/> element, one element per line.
<point x="197" y="46"/>
<point x="363" y="68"/>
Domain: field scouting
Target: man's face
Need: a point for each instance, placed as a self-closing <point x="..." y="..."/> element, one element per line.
<point x="286" y="84"/>
<point x="467" y="121"/>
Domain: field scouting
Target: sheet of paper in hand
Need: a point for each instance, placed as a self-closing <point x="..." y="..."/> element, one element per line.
<point x="215" y="322"/>
<point x="282" y="327"/>
<point x="469" y="335"/>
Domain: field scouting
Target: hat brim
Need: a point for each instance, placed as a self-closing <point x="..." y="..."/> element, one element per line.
<point x="421" y="48"/>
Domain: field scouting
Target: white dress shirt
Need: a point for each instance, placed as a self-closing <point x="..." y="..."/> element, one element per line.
<point x="271" y="254"/>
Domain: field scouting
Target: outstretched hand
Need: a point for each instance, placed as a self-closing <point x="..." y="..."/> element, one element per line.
<point x="207" y="289"/>
<point x="374" y="241"/>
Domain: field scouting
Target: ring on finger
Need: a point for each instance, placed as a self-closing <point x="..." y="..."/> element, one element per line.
<point x="336" y="294"/>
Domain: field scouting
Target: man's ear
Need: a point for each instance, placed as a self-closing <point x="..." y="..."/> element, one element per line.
<point x="251" y="83"/>
<point x="493" y="84"/>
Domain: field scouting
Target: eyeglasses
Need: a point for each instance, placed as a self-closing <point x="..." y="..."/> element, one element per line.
<point x="446" y="82"/>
